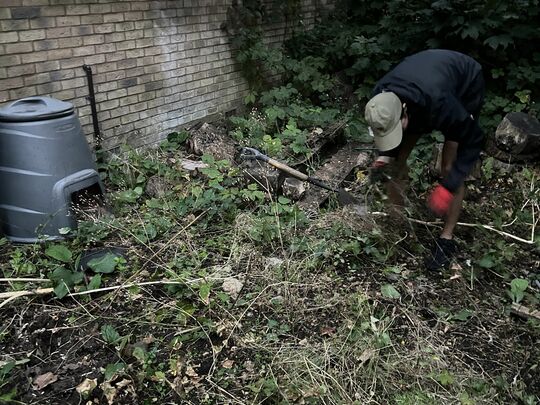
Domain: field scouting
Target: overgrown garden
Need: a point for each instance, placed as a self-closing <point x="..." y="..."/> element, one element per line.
<point x="218" y="291"/>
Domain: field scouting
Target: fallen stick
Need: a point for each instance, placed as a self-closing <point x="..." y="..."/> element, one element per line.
<point x="12" y="295"/>
<point x="488" y="227"/>
<point x="524" y="312"/>
<point x="24" y="280"/>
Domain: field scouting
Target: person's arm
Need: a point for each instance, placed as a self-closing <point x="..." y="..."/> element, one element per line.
<point x="458" y="125"/>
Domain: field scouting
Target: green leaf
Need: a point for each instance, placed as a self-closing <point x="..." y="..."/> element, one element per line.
<point x="112" y="369"/>
<point x="61" y="274"/>
<point x="109" y="334"/>
<point x="499" y="40"/>
<point x="6" y="369"/>
<point x="389" y="291"/>
<point x="61" y="290"/>
<point x="445" y="378"/>
<point x="95" y="282"/>
<point x="283" y="200"/>
<point x="59" y="252"/>
<point x="470" y="30"/>
<point x="8" y="396"/>
<point x="140" y="354"/>
<point x="517" y="289"/>
<point x="486" y="262"/>
<point x="104" y="264"/>
<point x="204" y="293"/>
<point x="462" y="315"/>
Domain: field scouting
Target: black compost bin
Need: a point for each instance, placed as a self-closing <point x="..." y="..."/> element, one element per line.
<point x="44" y="161"/>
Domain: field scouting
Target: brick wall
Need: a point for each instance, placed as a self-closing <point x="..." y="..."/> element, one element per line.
<point x="158" y="65"/>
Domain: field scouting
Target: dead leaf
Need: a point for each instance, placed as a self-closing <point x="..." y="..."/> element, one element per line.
<point x="41" y="381"/>
<point x="227" y="363"/>
<point x="456" y="267"/>
<point x="366" y="355"/>
<point x="249" y="366"/>
<point x="148" y="340"/>
<point x="191" y="165"/>
<point x="109" y="391"/>
<point x="232" y="286"/>
<point x="190" y="372"/>
<point x="328" y="331"/>
<point x="87" y="386"/>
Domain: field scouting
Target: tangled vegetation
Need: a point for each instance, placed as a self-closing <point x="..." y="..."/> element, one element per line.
<point x="217" y="291"/>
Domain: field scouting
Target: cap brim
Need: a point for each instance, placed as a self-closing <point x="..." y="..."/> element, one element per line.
<point x="389" y="140"/>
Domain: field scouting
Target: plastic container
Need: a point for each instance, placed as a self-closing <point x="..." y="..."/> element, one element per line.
<point x="44" y="161"/>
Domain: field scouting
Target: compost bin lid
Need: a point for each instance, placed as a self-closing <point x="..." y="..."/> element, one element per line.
<point x="35" y="109"/>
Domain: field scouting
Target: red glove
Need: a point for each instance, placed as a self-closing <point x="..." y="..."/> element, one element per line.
<point x="439" y="201"/>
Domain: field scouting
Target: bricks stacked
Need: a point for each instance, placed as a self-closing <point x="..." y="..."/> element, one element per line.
<point x="157" y="65"/>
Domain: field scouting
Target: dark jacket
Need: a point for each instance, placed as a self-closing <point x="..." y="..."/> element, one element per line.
<point x="442" y="90"/>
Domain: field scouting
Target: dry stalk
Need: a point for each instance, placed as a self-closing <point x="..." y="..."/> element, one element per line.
<point x="488" y="227"/>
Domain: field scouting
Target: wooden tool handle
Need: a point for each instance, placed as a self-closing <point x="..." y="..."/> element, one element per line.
<point x="289" y="170"/>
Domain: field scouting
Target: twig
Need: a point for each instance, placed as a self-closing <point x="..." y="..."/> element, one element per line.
<point x="24" y="280"/>
<point x="524" y="312"/>
<point x="173" y="238"/>
<point x="13" y="295"/>
<point x="488" y="227"/>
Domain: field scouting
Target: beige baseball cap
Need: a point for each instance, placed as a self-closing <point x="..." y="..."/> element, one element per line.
<point x="383" y="115"/>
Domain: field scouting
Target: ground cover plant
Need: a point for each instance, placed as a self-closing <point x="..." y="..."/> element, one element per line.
<point x="217" y="291"/>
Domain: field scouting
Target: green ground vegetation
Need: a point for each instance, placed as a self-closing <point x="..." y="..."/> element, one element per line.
<point x="225" y="293"/>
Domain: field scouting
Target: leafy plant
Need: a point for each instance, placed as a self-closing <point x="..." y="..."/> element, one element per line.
<point x="517" y="289"/>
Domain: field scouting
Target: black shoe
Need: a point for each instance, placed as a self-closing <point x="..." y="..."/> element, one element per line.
<point x="442" y="254"/>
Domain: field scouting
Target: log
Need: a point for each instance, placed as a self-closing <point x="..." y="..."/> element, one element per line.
<point x="517" y="138"/>
<point x="333" y="172"/>
<point x="208" y="139"/>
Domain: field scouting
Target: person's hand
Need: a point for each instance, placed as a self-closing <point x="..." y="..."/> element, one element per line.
<point x="439" y="200"/>
<point x="378" y="171"/>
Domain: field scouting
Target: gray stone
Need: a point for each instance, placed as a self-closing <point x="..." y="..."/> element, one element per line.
<point x="293" y="188"/>
<point x="264" y="175"/>
<point x="518" y="134"/>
